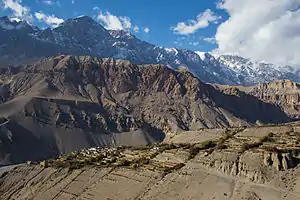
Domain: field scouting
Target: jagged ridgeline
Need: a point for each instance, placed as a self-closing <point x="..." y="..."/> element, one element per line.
<point x="85" y="36"/>
<point x="66" y="103"/>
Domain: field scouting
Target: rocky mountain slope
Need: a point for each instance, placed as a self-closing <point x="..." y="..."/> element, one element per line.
<point x="67" y="103"/>
<point x="283" y="93"/>
<point x="248" y="72"/>
<point x="243" y="163"/>
<point x="22" y="43"/>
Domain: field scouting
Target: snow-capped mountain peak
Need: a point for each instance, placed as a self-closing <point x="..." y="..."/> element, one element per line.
<point x="250" y="71"/>
<point x="201" y="54"/>
<point x="85" y="36"/>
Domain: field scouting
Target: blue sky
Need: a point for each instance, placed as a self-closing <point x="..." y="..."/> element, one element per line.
<point x="158" y="16"/>
<point x="265" y="30"/>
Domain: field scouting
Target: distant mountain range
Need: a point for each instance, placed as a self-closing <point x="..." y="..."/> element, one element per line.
<point x="22" y="43"/>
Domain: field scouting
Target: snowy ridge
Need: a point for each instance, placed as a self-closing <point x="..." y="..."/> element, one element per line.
<point x="201" y="54"/>
<point x="84" y="36"/>
<point x="250" y="72"/>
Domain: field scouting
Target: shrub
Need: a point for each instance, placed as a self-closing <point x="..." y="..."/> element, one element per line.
<point x="75" y="165"/>
<point x="168" y="147"/>
<point x="222" y="146"/>
<point x="58" y="164"/>
<point x="175" y="168"/>
<point x="194" y="150"/>
<point x="247" y="146"/>
<point x="142" y="147"/>
<point x="134" y="166"/>
<point x="141" y="161"/>
<point x="88" y="162"/>
<point x="153" y="155"/>
<point x="207" y="144"/>
<point x="124" y="162"/>
<point x="222" y="140"/>
<point x="267" y="138"/>
<point x="272" y="149"/>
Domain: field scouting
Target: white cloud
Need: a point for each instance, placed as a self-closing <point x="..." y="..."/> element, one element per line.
<point x="136" y="29"/>
<point x="146" y="30"/>
<point x="261" y="30"/>
<point x="110" y="21"/>
<point x="126" y="22"/>
<point x="113" y="22"/>
<point x="203" y="21"/>
<point x="51" y="20"/>
<point x="211" y="40"/>
<point x="18" y="9"/>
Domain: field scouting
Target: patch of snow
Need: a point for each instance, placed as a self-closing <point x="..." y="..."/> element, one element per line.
<point x="78" y="17"/>
<point x="171" y="50"/>
<point x="177" y="61"/>
<point x="15" y="19"/>
<point x="201" y="54"/>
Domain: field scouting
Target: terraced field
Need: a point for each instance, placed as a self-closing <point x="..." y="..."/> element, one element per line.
<point x="243" y="163"/>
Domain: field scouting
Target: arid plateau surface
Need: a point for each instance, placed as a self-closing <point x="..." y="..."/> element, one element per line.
<point x="233" y="163"/>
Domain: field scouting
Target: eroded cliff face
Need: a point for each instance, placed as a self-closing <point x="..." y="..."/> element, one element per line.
<point x="284" y="93"/>
<point x="259" y="167"/>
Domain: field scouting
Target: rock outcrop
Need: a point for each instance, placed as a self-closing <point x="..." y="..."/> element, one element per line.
<point x="282" y="93"/>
